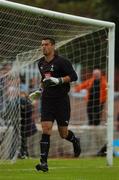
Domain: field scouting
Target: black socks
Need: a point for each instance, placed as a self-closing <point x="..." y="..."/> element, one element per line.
<point x="44" y="146"/>
<point x="71" y="137"/>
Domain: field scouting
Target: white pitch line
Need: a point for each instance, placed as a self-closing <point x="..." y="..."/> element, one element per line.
<point x="62" y="167"/>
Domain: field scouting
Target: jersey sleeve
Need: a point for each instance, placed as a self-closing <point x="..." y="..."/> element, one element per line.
<point x="68" y="70"/>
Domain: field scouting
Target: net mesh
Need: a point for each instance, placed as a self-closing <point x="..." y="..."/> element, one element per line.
<point x="20" y="36"/>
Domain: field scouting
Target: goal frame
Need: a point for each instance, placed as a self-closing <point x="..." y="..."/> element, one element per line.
<point x="111" y="50"/>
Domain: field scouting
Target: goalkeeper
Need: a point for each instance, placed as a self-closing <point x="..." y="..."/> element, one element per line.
<point x="57" y="73"/>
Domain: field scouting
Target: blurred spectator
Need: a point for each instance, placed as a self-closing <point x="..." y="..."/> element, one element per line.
<point x="116" y="82"/>
<point x="2" y="84"/>
<point x="116" y="124"/>
<point x="23" y="85"/>
<point x="5" y="68"/>
<point x="28" y="127"/>
<point x="97" y="94"/>
<point x="103" y="150"/>
<point x="32" y="85"/>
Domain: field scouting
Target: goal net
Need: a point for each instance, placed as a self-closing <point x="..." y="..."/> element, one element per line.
<point x="89" y="45"/>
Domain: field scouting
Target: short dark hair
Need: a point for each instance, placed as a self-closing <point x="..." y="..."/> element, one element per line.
<point x="50" y="39"/>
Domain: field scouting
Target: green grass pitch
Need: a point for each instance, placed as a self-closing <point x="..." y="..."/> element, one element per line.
<point x="61" y="169"/>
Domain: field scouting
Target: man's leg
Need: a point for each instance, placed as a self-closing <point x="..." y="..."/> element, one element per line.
<point x="98" y="113"/>
<point x="62" y="113"/>
<point x="90" y="112"/>
<point x="44" y="145"/>
<point x="23" y="150"/>
<point x="70" y="136"/>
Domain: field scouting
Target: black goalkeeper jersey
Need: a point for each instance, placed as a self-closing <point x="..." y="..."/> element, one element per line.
<point x="57" y="67"/>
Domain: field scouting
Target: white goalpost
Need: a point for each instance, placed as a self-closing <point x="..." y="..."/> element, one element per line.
<point x="87" y="43"/>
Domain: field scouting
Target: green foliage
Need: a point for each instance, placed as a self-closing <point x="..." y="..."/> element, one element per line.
<point x="102" y="9"/>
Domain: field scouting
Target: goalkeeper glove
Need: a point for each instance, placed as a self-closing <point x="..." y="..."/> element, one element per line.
<point x="48" y="82"/>
<point x="34" y="95"/>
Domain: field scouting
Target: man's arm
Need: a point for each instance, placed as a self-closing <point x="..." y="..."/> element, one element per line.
<point x="66" y="79"/>
<point x="68" y="69"/>
<point x="83" y="85"/>
<point x="68" y="75"/>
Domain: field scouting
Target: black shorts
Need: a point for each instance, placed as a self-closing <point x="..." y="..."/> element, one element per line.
<point x="56" y="109"/>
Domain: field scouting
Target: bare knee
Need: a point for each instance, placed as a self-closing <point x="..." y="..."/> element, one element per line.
<point x="63" y="133"/>
<point x="63" y="136"/>
<point x="47" y="128"/>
